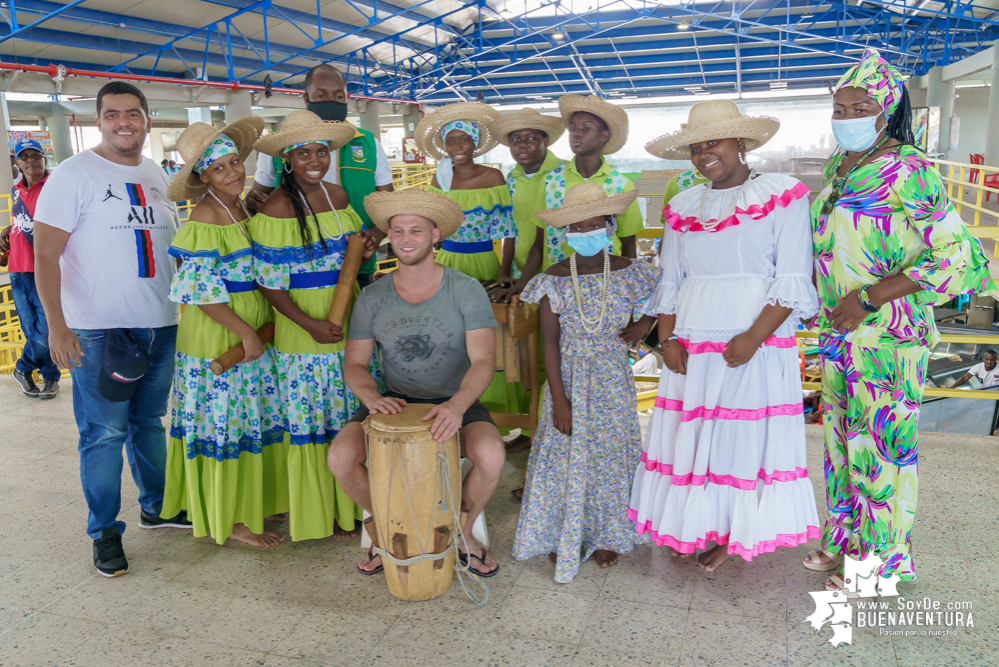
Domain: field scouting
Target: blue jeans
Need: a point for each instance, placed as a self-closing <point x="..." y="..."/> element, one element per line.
<point x="34" y="326"/>
<point x="137" y="424"/>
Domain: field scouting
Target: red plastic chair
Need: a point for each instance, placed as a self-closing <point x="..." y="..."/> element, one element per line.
<point x="991" y="181"/>
<point x="976" y="158"/>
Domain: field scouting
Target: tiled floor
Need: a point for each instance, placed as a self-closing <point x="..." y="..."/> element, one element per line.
<point x="189" y="602"/>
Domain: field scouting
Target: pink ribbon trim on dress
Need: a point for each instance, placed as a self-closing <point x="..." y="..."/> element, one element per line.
<point x="789" y="540"/>
<point x="719" y="348"/>
<point x="651" y="465"/>
<point x="741" y="414"/>
<point x="691" y="224"/>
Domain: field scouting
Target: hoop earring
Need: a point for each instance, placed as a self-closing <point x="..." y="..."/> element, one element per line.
<point x="742" y="157"/>
<point x="288" y="168"/>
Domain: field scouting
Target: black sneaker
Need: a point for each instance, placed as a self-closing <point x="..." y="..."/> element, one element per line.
<point x="50" y="389"/>
<point x="149" y="521"/>
<point x="27" y="383"/>
<point x="109" y="557"/>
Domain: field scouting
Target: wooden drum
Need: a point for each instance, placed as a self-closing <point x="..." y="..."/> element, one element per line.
<point x="415" y="497"/>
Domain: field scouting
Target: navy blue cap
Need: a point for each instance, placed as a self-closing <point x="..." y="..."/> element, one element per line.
<point x="24" y="144"/>
<point x="122" y="366"/>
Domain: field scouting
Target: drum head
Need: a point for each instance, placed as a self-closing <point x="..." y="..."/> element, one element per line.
<point x="410" y="420"/>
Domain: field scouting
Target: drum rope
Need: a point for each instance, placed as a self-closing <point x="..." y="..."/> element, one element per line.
<point x="443" y="483"/>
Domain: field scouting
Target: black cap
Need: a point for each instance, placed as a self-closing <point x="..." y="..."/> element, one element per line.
<point x="122" y="365"/>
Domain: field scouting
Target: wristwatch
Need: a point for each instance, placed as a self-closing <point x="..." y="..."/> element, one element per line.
<point x="865" y="301"/>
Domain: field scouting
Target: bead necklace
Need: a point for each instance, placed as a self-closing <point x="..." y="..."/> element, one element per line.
<point x="709" y="225"/>
<point x="231" y="216"/>
<point x="332" y="208"/>
<point x="591" y="326"/>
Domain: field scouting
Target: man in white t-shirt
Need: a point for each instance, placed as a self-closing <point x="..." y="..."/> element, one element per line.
<point x="987" y="372"/>
<point x="102" y="228"/>
<point x="360" y="167"/>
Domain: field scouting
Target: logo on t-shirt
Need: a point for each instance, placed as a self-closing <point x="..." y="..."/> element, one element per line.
<point x="157" y="194"/>
<point x="414" y="347"/>
<point x="141" y="214"/>
<point x="108" y="195"/>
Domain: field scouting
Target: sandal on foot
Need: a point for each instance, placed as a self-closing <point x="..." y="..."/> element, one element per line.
<point x="482" y="559"/>
<point x="839" y="585"/>
<point x="815" y="564"/>
<point x="368" y="573"/>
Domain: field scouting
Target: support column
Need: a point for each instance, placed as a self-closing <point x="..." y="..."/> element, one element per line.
<point x="62" y="138"/>
<point x="992" y="129"/>
<point x="6" y="175"/>
<point x="199" y="115"/>
<point x="240" y="104"/>
<point x="370" y="120"/>
<point x="156" y="145"/>
<point x="940" y="93"/>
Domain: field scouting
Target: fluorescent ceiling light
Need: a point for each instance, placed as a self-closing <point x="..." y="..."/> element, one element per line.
<point x="682" y="26"/>
<point x="558" y="35"/>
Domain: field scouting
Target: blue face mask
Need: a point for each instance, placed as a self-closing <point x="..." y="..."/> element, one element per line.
<point x="587" y="244"/>
<point x="856" y="134"/>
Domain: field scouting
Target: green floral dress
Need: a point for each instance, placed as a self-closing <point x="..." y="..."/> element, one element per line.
<point x="892" y="217"/>
<point x="226" y="462"/>
<point x="488" y="217"/>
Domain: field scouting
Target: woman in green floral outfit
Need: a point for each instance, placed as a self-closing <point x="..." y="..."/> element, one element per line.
<point x="888" y="246"/>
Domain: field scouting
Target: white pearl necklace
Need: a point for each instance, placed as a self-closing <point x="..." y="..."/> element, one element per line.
<point x="231" y="216"/>
<point x="709" y="225"/>
<point x="591" y="326"/>
<point x="332" y="208"/>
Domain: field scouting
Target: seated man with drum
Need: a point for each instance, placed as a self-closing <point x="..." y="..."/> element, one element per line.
<point x="434" y="329"/>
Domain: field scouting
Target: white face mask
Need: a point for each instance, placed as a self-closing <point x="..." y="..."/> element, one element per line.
<point x="856" y="134"/>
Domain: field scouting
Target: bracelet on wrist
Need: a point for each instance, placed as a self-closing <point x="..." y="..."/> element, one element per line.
<point x="865" y="300"/>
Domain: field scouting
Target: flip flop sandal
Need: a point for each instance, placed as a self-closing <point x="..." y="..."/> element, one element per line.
<point x="834" y="561"/>
<point x="482" y="559"/>
<point x="368" y="573"/>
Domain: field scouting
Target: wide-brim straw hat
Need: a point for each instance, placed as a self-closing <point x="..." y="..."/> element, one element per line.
<point x="527" y="119"/>
<point x="714" y="119"/>
<point x="615" y="117"/>
<point x="302" y="126"/>
<point x="428" y="132"/>
<point x="444" y="211"/>
<point x="585" y="201"/>
<point x="193" y="143"/>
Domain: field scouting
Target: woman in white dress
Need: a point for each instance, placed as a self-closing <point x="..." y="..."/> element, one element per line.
<point x="724" y="457"/>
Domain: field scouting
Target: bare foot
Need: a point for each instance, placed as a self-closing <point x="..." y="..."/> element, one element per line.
<point x="283" y="516"/>
<point x="518" y="494"/>
<point x="712" y="558"/>
<point x="241" y="533"/>
<point x="520" y="443"/>
<point x="674" y="553"/>
<point x="553" y="558"/>
<point x="342" y="534"/>
<point x="474" y="556"/>
<point x="605" y="558"/>
<point x="370" y="564"/>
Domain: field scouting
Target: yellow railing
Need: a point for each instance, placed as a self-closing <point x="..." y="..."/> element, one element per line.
<point x="11" y="340"/>
<point x="406" y="176"/>
<point x="961" y="176"/>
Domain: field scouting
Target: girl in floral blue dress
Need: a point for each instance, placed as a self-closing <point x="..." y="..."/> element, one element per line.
<point x="588" y="442"/>
<point x="226" y="460"/>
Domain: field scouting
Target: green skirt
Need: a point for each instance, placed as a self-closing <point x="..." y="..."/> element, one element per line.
<point x="478" y="265"/>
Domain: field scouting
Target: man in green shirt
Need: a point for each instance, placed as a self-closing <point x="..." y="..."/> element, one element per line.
<point x="596" y="128"/>
<point x="528" y="134"/>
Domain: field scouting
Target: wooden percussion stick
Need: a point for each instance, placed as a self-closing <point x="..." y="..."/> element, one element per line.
<point x="352" y="260"/>
<point x="236" y="353"/>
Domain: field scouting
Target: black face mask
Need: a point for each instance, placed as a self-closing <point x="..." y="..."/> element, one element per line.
<point x="328" y="109"/>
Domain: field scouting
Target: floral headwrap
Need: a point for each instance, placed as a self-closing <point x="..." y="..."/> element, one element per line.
<point x="222" y="145"/>
<point x="466" y="126"/>
<point x="876" y="75"/>
<point x="305" y="143"/>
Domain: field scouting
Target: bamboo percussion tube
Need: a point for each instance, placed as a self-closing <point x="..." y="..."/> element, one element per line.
<point x="348" y="277"/>
<point x="235" y="354"/>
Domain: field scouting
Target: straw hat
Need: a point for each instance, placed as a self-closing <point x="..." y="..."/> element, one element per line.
<point x="428" y="132"/>
<point x="300" y="126"/>
<point x="444" y="211"/>
<point x="527" y="119"/>
<point x="585" y="201"/>
<point x="193" y="143"/>
<point x="714" y="119"/>
<point x="615" y="117"/>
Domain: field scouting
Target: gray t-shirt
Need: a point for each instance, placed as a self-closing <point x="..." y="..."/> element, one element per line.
<point x="422" y="345"/>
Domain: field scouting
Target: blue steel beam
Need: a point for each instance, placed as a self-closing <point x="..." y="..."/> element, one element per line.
<point x="16" y="29"/>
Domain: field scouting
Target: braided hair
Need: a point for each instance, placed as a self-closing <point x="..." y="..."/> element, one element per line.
<point x="297" y="197"/>
<point x="900" y="123"/>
